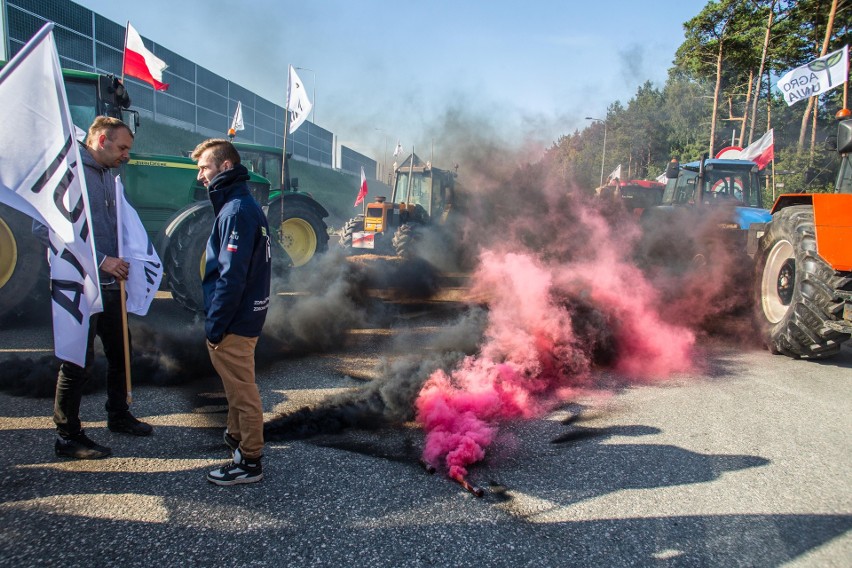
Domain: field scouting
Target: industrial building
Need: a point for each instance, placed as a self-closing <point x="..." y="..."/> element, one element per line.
<point x="197" y="99"/>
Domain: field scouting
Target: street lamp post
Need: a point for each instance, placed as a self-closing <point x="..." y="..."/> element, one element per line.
<point x="603" y="154"/>
<point x="314" y="105"/>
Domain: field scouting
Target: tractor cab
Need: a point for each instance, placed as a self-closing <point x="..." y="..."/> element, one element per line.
<point x="713" y="182"/>
<point x="844" y="148"/>
<point x="422" y="196"/>
<point x="421" y="191"/>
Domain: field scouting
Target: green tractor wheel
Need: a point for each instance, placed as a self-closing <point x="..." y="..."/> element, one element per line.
<point x="23" y="265"/>
<point x="185" y="258"/>
<point x="8" y="253"/>
<point x="299" y="230"/>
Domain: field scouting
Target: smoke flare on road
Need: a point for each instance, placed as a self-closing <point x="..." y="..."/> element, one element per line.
<point x="533" y="357"/>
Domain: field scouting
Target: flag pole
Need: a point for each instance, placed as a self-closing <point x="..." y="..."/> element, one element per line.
<point x="126" y="336"/>
<point x="124" y="53"/>
<point x="285" y="169"/>
<point x="410" y="175"/>
<point x="119" y="206"/>
<point x="286" y="129"/>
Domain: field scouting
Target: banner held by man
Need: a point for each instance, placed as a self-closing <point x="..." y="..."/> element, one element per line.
<point x="41" y="176"/>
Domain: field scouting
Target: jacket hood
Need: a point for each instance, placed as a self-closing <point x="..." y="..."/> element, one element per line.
<point x="226" y="185"/>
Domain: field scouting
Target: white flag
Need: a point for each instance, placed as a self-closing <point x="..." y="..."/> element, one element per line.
<point x="818" y="76"/>
<point x="134" y="246"/>
<point x="616" y="173"/>
<point x="75" y="297"/>
<point x="237" y="123"/>
<point x="297" y="101"/>
<point x="41" y="175"/>
<point x="398" y="150"/>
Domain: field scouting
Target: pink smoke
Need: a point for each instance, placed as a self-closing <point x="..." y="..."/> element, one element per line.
<point x="532" y="358"/>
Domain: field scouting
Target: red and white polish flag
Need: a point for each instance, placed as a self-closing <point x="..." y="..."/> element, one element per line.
<point x="761" y="151"/>
<point x="141" y="63"/>
<point x="362" y="193"/>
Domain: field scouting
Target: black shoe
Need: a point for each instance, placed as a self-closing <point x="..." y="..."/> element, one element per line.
<point x="241" y="470"/>
<point x="231" y="442"/>
<point x="127" y="424"/>
<point x="80" y="447"/>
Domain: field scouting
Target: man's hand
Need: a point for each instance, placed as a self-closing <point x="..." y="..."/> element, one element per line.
<point x="116" y="267"/>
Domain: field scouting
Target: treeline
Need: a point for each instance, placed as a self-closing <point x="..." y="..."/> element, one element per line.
<point x="721" y="91"/>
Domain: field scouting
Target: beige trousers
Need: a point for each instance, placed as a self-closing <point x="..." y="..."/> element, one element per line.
<point x="233" y="359"/>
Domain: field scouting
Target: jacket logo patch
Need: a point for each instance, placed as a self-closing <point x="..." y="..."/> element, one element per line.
<point x="232" y="241"/>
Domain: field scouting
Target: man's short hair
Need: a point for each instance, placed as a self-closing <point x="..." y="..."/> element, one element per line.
<point x="106" y="125"/>
<point x="222" y="150"/>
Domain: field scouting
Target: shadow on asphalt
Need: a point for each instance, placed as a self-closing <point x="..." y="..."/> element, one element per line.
<point x="334" y="507"/>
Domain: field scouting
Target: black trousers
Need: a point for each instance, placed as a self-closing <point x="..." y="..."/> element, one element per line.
<point x="73" y="378"/>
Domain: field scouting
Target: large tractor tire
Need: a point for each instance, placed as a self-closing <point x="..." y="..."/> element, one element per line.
<point x="406" y="239"/>
<point x="24" y="281"/>
<point x="185" y="257"/>
<point x="381" y="245"/>
<point x="300" y="230"/>
<point x="795" y="289"/>
<point x="351" y="226"/>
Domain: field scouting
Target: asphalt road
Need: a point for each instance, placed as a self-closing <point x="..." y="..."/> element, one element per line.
<point x="744" y="463"/>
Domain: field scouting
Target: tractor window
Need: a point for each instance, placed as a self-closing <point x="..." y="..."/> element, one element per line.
<point x="419" y="188"/>
<point x="844" y="176"/>
<point x="685" y="188"/>
<point x="83" y="102"/>
<point x="420" y="191"/>
<point x="266" y="165"/>
<point x="401" y="190"/>
<point x="740" y="187"/>
<point x="440" y="194"/>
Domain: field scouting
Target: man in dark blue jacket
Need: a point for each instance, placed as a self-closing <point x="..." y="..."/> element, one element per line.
<point x="236" y="287"/>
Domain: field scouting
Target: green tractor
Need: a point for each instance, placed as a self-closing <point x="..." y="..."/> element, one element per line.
<point x="424" y="204"/>
<point x="171" y="203"/>
<point x="174" y="208"/>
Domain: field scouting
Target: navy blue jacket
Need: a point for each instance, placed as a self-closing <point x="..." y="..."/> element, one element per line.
<point x="237" y="274"/>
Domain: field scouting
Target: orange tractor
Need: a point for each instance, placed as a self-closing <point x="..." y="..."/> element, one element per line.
<point x="803" y="268"/>
<point x="424" y="206"/>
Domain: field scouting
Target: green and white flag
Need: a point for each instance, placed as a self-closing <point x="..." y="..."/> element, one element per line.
<point x="816" y="77"/>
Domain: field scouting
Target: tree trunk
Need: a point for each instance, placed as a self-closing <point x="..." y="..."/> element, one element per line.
<point x="760" y="73"/>
<point x="716" y="98"/>
<point x="746" y="110"/>
<point x="828" y="29"/>
<point x="803" y="129"/>
<point x="813" y="136"/>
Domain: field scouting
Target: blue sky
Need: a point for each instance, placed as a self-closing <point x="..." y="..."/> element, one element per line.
<point x="530" y="71"/>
